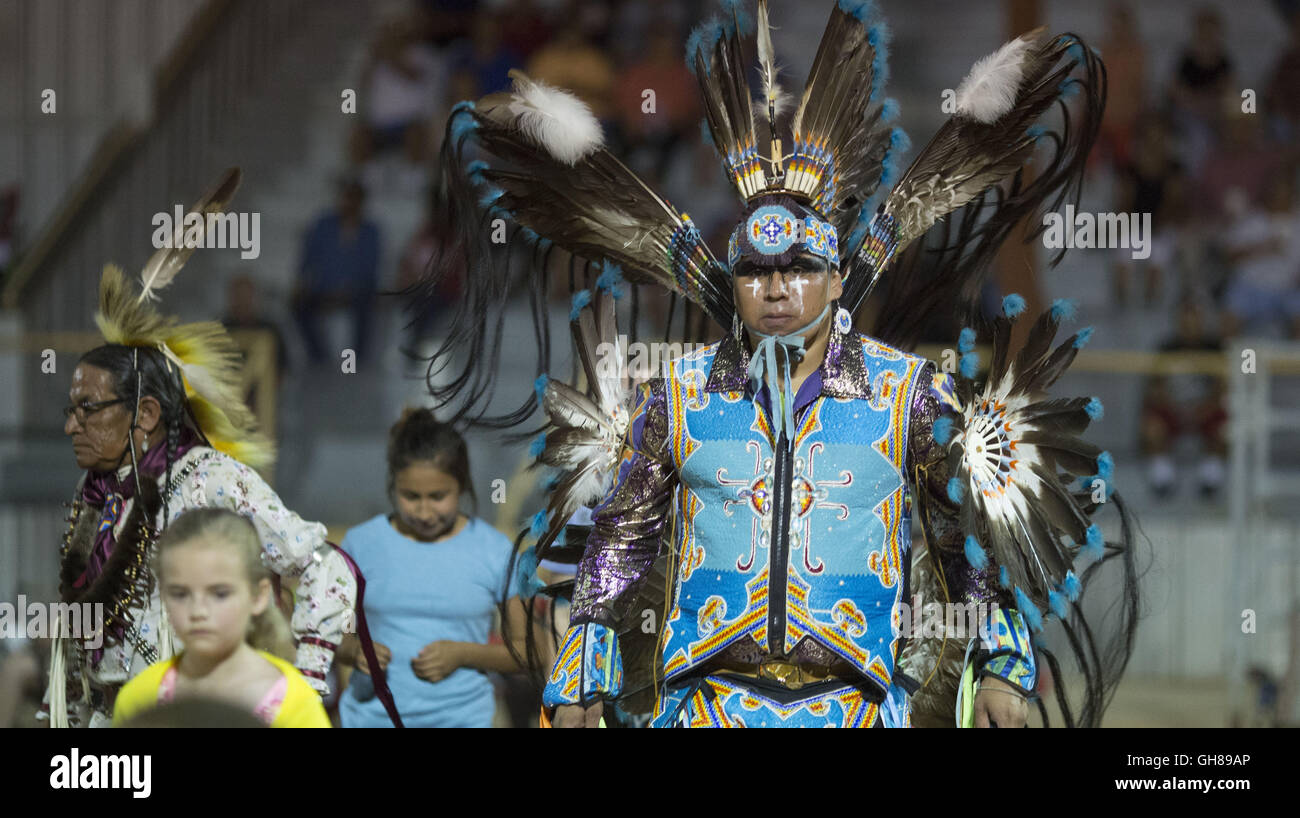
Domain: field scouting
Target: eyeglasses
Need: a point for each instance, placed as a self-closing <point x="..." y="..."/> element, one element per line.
<point x="84" y="410"/>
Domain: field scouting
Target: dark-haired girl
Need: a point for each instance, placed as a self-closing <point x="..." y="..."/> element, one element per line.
<point x="434" y="580"/>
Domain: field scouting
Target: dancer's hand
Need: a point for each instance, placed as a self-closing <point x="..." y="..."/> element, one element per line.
<point x="382" y="653"/>
<point x="575" y="715"/>
<point x="437" y="661"/>
<point x="1000" y="703"/>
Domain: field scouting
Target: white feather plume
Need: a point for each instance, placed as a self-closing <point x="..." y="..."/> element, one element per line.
<point x="767" y="63"/>
<point x="556" y="120"/>
<point x="990" y="88"/>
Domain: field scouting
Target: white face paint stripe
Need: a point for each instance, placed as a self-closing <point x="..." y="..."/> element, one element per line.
<point x="755" y="285"/>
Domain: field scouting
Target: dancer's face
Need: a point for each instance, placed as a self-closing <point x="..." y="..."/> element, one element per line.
<point x="209" y="597"/>
<point x="776" y="301"/>
<point x="426" y="500"/>
<point x="99" y="435"/>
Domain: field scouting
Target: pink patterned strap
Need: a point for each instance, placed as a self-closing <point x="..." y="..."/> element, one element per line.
<point x="270" y="704"/>
<point x="267" y="708"/>
<point x="167" y="687"/>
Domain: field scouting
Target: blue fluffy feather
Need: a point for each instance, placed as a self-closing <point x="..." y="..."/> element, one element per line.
<point x="1084" y="336"/>
<point x="539" y="385"/>
<point x="966" y="340"/>
<point x="461" y="122"/>
<point x="1095" y="545"/>
<point x="705" y="35"/>
<point x="1033" y="617"/>
<point x="956" y="491"/>
<point x="580" y="299"/>
<point x="879" y="37"/>
<point x="538" y="527"/>
<point x="859" y="232"/>
<point x="1004" y="577"/>
<point x="970" y="365"/>
<point x="611" y="276"/>
<point x="742" y="17"/>
<point x="888" y="175"/>
<point x="942" y="430"/>
<point x="489" y="198"/>
<point x="1013" y="305"/>
<point x="1063" y="309"/>
<point x="1072" y="587"/>
<point x="860" y="10"/>
<point x="538" y="445"/>
<point x="527" y="583"/>
<point x="1094" y="409"/>
<point x="899" y="141"/>
<point x="1105" y="466"/>
<point x="889" y="109"/>
<point x="1056" y="602"/>
<point x="975" y="555"/>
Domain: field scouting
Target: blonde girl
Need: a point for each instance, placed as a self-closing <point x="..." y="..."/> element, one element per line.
<point x="221" y="605"/>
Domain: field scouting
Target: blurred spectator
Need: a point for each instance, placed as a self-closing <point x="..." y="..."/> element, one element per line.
<point x="339" y="269"/>
<point x="676" y="109"/>
<point x="486" y="57"/>
<point x="1282" y="96"/>
<point x="571" y="61"/>
<point x="8" y="224"/>
<point x="1264" y="710"/>
<point x="421" y="250"/>
<point x="1203" y="76"/>
<point x="243" y="312"/>
<point x="524" y="28"/>
<point x="1151" y="182"/>
<point x="403" y="84"/>
<point x="1169" y="413"/>
<point x="1244" y="159"/>
<point x="1125" y="58"/>
<point x="21" y="682"/>
<point x="1263" y="248"/>
<point x="447" y="20"/>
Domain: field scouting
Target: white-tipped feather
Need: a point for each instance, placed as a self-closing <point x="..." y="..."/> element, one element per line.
<point x="161" y="268"/>
<point x="767" y="63"/>
<point x="594" y="486"/>
<point x="557" y="121"/>
<point x="990" y="88"/>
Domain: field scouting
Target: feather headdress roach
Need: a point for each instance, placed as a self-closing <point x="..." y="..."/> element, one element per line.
<point x="205" y="356"/>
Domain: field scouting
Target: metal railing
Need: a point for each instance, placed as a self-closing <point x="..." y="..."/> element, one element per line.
<point x="1263" y="564"/>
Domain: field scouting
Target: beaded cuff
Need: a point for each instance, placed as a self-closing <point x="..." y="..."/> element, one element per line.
<point x="589" y="666"/>
<point x="1006" y="651"/>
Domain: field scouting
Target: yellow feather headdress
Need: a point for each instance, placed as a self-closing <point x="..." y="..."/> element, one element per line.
<point x="207" y="357"/>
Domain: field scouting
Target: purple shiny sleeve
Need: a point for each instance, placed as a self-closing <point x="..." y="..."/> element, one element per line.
<point x="627" y="525"/>
<point x="964" y="582"/>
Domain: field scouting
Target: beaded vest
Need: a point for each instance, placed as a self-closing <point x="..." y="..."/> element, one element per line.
<point x="849" y="530"/>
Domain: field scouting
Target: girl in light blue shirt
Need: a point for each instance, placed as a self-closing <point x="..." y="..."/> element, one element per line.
<point x="434" y="580"/>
